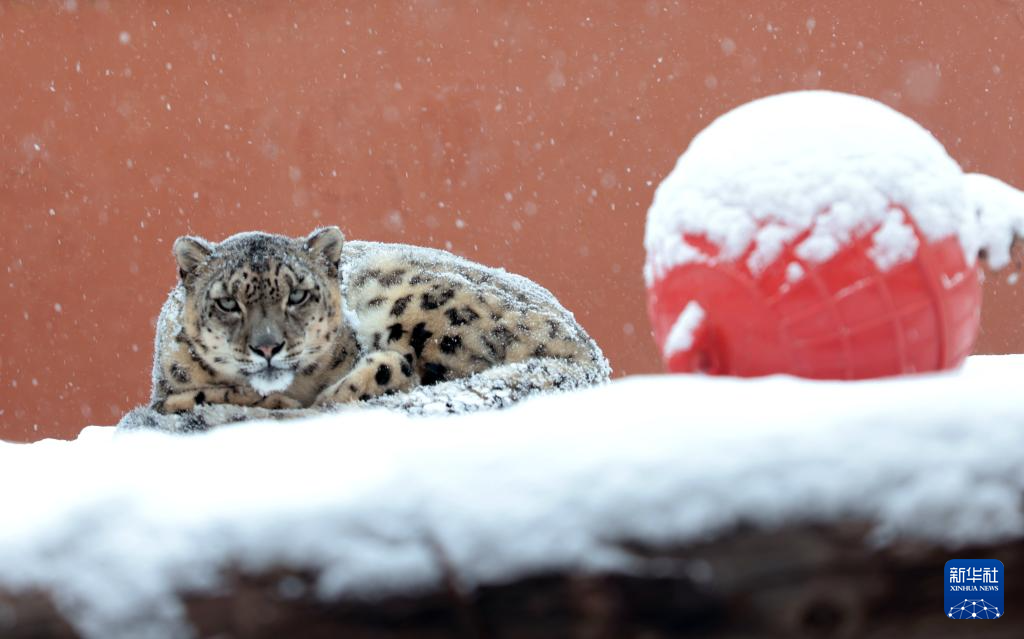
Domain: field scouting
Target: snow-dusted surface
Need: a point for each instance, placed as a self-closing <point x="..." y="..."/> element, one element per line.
<point x="828" y="165"/>
<point x="115" y="524"/>
<point x="497" y="387"/>
<point x="680" y="338"/>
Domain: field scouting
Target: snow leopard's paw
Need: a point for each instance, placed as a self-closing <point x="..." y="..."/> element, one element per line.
<point x="379" y="373"/>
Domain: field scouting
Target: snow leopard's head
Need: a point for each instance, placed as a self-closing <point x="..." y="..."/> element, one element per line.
<point x="259" y="307"/>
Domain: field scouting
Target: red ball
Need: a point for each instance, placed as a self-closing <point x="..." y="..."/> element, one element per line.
<point x="818" y="234"/>
<point x="844" y="318"/>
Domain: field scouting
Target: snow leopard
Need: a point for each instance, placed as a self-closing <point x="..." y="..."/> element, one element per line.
<point x="266" y="321"/>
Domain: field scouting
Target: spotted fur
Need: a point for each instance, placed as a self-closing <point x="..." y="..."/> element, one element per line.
<point x="274" y="322"/>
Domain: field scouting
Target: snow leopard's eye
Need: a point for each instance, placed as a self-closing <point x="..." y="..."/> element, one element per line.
<point x="227" y="304"/>
<point x="298" y="296"/>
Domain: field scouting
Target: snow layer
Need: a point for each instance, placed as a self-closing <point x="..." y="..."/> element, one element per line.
<point x="680" y="338"/>
<point x="114" y="525"/>
<point x="830" y="165"/>
<point x="1000" y="210"/>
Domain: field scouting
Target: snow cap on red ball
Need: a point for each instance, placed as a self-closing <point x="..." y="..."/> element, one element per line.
<point x="1000" y="209"/>
<point x="817" y="166"/>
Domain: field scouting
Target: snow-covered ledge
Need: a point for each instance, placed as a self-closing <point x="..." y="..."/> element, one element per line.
<point x="706" y="487"/>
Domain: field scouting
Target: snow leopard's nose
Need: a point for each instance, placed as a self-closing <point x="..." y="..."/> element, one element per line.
<point x="266" y="350"/>
<point x="265" y="339"/>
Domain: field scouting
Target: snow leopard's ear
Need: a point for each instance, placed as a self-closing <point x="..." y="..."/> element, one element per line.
<point x="326" y="243"/>
<point x="190" y="252"/>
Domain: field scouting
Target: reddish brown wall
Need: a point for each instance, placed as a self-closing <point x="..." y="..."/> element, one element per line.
<point x="526" y="135"/>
